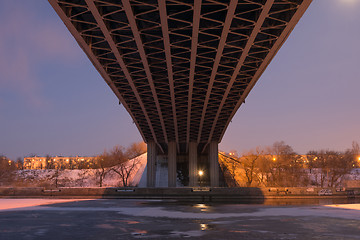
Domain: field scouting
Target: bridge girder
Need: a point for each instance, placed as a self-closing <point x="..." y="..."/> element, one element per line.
<point x="181" y="68"/>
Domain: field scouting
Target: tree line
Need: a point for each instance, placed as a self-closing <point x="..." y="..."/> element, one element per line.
<point x="7" y="167"/>
<point x="119" y="160"/>
<point x="280" y="166"/>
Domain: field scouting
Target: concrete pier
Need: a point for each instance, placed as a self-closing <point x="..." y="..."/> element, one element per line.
<point x="214" y="164"/>
<point x="193" y="172"/>
<point x="172" y="164"/>
<point x="151" y="160"/>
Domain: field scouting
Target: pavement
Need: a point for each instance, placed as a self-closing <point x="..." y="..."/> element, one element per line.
<point x="170" y="219"/>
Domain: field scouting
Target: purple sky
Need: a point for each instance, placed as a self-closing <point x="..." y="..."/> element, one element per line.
<point x="53" y="101"/>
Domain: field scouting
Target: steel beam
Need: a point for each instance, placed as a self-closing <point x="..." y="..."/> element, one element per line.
<point x="225" y="31"/>
<point x="244" y="54"/>
<point x="183" y="50"/>
<point x="165" y="31"/>
<point x="194" y="44"/>
<point x="140" y="46"/>
<point x="105" y="31"/>
<point x="279" y="42"/>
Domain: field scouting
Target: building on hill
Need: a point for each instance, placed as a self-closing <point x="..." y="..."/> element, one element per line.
<point x="59" y="162"/>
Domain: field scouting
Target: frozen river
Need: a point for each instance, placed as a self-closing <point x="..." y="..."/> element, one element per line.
<point x="157" y="219"/>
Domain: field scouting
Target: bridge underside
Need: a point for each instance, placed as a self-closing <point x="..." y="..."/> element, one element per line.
<point x="181" y="68"/>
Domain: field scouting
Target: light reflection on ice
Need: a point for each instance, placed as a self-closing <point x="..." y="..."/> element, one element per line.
<point x="139" y="233"/>
<point x="203" y="227"/>
<point x="206" y="227"/>
<point x="203" y="207"/>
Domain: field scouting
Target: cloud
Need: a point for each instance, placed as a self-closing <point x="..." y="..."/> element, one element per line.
<point x="28" y="41"/>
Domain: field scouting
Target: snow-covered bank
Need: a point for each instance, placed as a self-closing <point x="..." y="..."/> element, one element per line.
<point x="80" y="177"/>
<point x="6" y="204"/>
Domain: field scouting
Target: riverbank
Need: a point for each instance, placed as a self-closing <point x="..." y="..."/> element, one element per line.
<point x="184" y="193"/>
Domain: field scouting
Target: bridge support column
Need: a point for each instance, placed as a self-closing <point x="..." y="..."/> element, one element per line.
<point x="193" y="179"/>
<point x="214" y="164"/>
<point x="172" y="164"/>
<point x="151" y="159"/>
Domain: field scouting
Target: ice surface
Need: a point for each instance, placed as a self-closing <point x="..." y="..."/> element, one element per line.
<point x="344" y="211"/>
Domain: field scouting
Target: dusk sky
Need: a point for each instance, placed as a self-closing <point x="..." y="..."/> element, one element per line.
<point x="53" y="101"/>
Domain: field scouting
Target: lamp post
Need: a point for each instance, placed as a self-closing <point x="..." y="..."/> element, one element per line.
<point x="200" y="175"/>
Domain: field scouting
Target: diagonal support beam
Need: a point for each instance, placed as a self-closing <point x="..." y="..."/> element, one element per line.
<point x="264" y="13"/>
<point x="279" y="42"/>
<point x="114" y="49"/>
<point x="92" y="57"/>
<point x="140" y="45"/>
<point x="225" y="31"/>
<point x="194" y="44"/>
<point x="165" y="31"/>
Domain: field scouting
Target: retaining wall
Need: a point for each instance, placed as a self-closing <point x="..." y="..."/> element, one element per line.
<point x="181" y="193"/>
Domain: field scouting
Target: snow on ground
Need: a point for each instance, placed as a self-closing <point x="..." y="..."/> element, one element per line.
<point x="32" y="202"/>
<point x="90" y="177"/>
<point x="135" y="178"/>
<point x="80" y="177"/>
<point x="315" y="176"/>
<point x="345" y="206"/>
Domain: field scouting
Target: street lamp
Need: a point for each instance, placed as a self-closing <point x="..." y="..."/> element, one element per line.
<point x="201" y="172"/>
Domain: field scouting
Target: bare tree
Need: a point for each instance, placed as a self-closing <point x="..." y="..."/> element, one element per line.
<point x="333" y="165"/>
<point x="241" y="170"/>
<point x="19" y="164"/>
<point x="263" y="171"/>
<point x="287" y="169"/>
<point x="83" y="173"/>
<point x="249" y="163"/>
<point x="135" y="149"/>
<point x="355" y="148"/>
<point x="317" y="160"/>
<point x="104" y="161"/>
<point x="229" y="165"/>
<point x="127" y="162"/>
<point x="55" y="177"/>
<point x="117" y="160"/>
<point x="7" y="168"/>
<point x="125" y="170"/>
